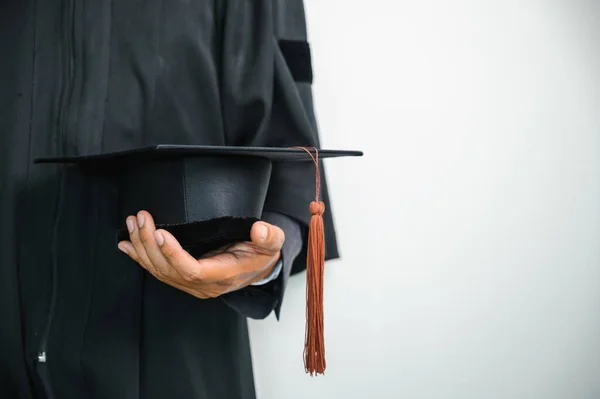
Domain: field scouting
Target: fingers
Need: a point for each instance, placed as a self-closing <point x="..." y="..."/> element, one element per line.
<point x="241" y="264"/>
<point x="128" y="248"/>
<point x="151" y="250"/>
<point x="152" y="241"/>
<point x="136" y="240"/>
<point x="175" y="256"/>
<point x="267" y="236"/>
<point x="226" y="266"/>
<point x="159" y="252"/>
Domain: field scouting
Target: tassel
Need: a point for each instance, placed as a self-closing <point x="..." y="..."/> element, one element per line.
<point x="314" y="344"/>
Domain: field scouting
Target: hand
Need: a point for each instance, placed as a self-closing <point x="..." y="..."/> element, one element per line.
<point x="217" y="273"/>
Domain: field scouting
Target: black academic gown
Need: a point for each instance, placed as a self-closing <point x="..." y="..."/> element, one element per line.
<point x="80" y="319"/>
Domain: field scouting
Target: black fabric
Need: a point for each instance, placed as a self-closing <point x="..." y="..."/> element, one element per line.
<point x="95" y="76"/>
<point x="194" y="189"/>
<point x="297" y="57"/>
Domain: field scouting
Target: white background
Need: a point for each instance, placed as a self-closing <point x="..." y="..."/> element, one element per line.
<point x="470" y="230"/>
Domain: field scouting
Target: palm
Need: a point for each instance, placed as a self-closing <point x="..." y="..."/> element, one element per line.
<point x="218" y="272"/>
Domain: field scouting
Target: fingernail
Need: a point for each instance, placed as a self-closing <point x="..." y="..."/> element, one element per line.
<point x="122" y="248"/>
<point x="140" y="218"/>
<point x="129" y="225"/>
<point x="263" y="232"/>
<point x="160" y="238"/>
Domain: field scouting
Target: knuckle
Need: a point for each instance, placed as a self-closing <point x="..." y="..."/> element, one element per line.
<point x="169" y="251"/>
<point x="134" y="236"/>
<point x="146" y="239"/>
<point x="191" y="277"/>
<point x="156" y="273"/>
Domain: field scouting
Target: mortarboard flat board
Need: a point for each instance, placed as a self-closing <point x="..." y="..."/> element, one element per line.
<point x="209" y="197"/>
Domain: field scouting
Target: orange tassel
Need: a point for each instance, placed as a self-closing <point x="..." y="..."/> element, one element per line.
<point x="314" y="344"/>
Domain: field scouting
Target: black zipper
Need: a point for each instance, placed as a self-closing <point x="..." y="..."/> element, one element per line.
<point x="66" y="51"/>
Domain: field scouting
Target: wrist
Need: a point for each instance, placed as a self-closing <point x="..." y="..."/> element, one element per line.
<point x="275" y="271"/>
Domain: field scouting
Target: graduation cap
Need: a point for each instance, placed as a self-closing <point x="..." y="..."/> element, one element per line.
<point x="210" y="196"/>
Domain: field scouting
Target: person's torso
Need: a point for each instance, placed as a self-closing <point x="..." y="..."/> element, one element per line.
<point x="97" y="76"/>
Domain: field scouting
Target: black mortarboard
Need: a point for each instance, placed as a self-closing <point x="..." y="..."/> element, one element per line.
<point x="209" y="196"/>
<point x="181" y="185"/>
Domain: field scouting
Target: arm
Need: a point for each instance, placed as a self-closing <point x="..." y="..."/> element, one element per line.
<point x="266" y="100"/>
<point x="287" y="98"/>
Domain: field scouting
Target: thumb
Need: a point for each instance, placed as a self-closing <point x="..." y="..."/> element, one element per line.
<point x="267" y="236"/>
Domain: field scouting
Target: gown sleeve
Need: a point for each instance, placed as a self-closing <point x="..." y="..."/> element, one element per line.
<point x="267" y="100"/>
